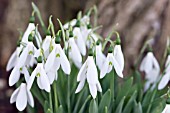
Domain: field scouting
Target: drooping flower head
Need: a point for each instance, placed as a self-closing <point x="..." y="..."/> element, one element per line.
<point x="89" y="72"/>
<point x="22" y="96"/>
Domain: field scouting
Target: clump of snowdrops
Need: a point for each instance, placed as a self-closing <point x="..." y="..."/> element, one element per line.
<point x="75" y="70"/>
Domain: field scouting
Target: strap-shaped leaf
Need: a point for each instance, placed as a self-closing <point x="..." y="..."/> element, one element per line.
<point x="129" y="105"/>
<point x="83" y="106"/>
<point x="93" y="108"/>
<point x="120" y="106"/>
<point x="60" y="109"/>
<point x="105" y="101"/>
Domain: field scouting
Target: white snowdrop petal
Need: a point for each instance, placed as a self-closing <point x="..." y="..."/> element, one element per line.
<point x="12" y="61"/>
<point x="155" y="63"/>
<point x="39" y="83"/>
<point x="30" y="28"/>
<point x="21" y="101"/>
<point x="99" y="88"/>
<point x="26" y="74"/>
<point x="117" y="68"/>
<point x="166" y="109"/>
<point x="50" y="60"/>
<point x="164" y="81"/>
<point x="14" y="76"/>
<point x="147" y="86"/>
<point x="81" y="75"/>
<point x="51" y="76"/>
<point x="93" y="90"/>
<point x="31" y="79"/>
<point x="30" y="98"/>
<point x="45" y="81"/>
<point x="104" y="68"/>
<point x="23" y="58"/>
<point x="149" y="62"/>
<point x="92" y="75"/>
<point x="142" y="65"/>
<point x="167" y="64"/>
<point x="65" y="63"/>
<point x="46" y="43"/>
<point x="100" y="57"/>
<point x="119" y="56"/>
<point x="80" y="86"/>
<point x="14" y="95"/>
<point x="80" y="42"/>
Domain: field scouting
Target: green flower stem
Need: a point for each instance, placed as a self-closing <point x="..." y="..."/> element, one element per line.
<point x="95" y="15"/>
<point x="112" y="83"/>
<point x="36" y="10"/>
<point x="63" y="33"/>
<point x="68" y="94"/>
<point x="108" y="38"/>
<point x="52" y="26"/>
<point x="55" y="96"/>
<point x="50" y="102"/>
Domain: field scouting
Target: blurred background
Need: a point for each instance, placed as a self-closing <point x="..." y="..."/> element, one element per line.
<point x="138" y="21"/>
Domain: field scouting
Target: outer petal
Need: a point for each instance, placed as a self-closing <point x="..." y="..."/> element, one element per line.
<point x="93" y="90"/>
<point x="51" y="76"/>
<point x="80" y="41"/>
<point x="100" y="57"/>
<point x="14" y="76"/>
<point x="39" y="83"/>
<point x="80" y="86"/>
<point x="31" y="79"/>
<point x="12" y="61"/>
<point x="31" y="26"/>
<point x="142" y="65"/>
<point x="30" y="98"/>
<point x="14" y="95"/>
<point x="64" y="62"/>
<point x="167" y="64"/>
<point x="45" y="81"/>
<point x="164" y="81"/>
<point x="119" y="56"/>
<point x="149" y="62"/>
<point x="81" y="75"/>
<point x="166" y="109"/>
<point x="23" y="58"/>
<point x="50" y="60"/>
<point x="21" y="101"/>
<point x="46" y="43"/>
<point x="104" y="68"/>
<point x="99" y="88"/>
<point x="117" y="68"/>
<point x="147" y="85"/>
<point x="26" y="74"/>
<point x="92" y="75"/>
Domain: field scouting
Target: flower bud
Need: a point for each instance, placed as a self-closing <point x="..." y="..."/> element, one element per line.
<point x="110" y="50"/>
<point x="48" y="33"/>
<point x="30" y="38"/>
<point x="118" y="41"/>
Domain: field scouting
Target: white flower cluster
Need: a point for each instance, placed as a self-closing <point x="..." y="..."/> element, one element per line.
<point x="48" y="56"/>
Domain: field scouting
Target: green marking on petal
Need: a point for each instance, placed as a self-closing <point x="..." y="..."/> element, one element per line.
<point x="38" y="74"/>
<point x="75" y="37"/>
<point x="57" y="55"/>
<point x="110" y="63"/>
<point x="30" y="52"/>
<point x="20" y="69"/>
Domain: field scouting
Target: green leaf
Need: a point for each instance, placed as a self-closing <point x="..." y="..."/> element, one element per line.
<point x="105" y="101"/>
<point x="138" y="108"/>
<point x="105" y="109"/>
<point x="120" y="106"/>
<point x="128" y="107"/>
<point x="60" y="109"/>
<point x="46" y="106"/>
<point x="83" y="106"/>
<point x="124" y="90"/>
<point x="93" y="108"/>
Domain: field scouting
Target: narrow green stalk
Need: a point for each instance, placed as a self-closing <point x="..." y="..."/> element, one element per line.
<point x="36" y="10"/>
<point x="112" y="83"/>
<point x="95" y="15"/>
<point x="52" y="26"/>
<point x="55" y="97"/>
<point x="68" y="94"/>
<point x="50" y="102"/>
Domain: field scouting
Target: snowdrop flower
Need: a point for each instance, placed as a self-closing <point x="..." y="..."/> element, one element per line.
<point x="74" y="52"/>
<point x="42" y="78"/>
<point x="85" y="20"/>
<point x="166" y="109"/>
<point x="166" y="77"/>
<point x="56" y="58"/>
<point x="119" y="56"/>
<point x="109" y="63"/>
<point x="52" y="75"/>
<point x="15" y="75"/>
<point x="71" y="23"/>
<point x="148" y="63"/>
<point x="46" y="45"/>
<point x="79" y="39"/>
<point x="22" y="96"/>
<point x="151" y="68"/>
<point x="89" y="71"/>
<point x="26" y="57"/>
<point x="13" y="59"/>
<point x="100" y="57"/>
